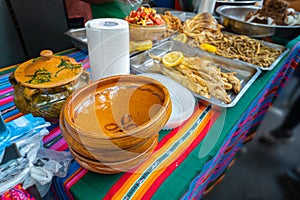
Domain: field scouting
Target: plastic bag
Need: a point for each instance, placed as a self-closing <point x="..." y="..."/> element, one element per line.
<point x="56" y="161"/>
<point x="127" y="5"/>
<point x="47" y="163"/>
<point x="26" y="133"/>
<point x="20" y="129"/>
<point x="12" y="173"/>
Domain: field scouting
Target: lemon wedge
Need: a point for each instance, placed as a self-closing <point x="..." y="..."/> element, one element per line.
<point x="181" y="38"/>
<point x="140" y="45"/>
<point x="208" y="47"/>
<point x="172" y="58"/>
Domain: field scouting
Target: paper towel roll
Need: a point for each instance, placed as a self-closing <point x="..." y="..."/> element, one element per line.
<point x="108" y="46"/>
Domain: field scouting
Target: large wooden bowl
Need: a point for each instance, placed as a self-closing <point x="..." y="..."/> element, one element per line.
<point x="116" y="118"/>
<point x="111" y="154"/>
<point x="112" y="167"/>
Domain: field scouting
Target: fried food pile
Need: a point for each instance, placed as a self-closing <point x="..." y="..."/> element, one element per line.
<point x="174" y="24"/>
<point x="201" y="23"/>
<point x="203" y="28"/>
<point x="203" y="77"/>
<point x="274" y="12"/>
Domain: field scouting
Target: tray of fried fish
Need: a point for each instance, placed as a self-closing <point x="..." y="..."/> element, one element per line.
<point x="204" y="29"/>
<point x="213" y="79"/>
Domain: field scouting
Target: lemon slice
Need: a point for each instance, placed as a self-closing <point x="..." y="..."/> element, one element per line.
<point x="208" y="47"/>
<point x="172" y="58"/>
<point x="181" y="38"/>
<point x="140" y="45"/>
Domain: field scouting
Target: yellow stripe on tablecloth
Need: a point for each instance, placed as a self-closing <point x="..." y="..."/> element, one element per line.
<point x="134" y="177"/>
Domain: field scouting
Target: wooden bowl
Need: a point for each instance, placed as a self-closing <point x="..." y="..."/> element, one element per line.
<point x="115" y="119"/>
<point x="116" y="109"/>
<point x="112" y="167"/>
<point x="111" y="154"/>
<point x="141" y="33"/>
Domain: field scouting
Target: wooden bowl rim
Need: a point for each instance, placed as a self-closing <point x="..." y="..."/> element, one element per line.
<point x="167" y="104"/>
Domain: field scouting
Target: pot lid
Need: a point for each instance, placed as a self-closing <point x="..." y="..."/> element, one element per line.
<point x="48" y="71"/>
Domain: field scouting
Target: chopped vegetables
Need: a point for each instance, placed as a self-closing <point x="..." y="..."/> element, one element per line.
<point x="145" y="16"/>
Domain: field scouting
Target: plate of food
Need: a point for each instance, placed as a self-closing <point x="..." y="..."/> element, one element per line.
<point x="273" y="19"/>
<point x="204" y="32"/>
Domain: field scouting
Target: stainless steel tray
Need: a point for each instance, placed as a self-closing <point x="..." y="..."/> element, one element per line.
<point x="233" y="18"/>
<point x="270" y="45"/>
<point x="237" y="2"/>
<point x="274" y="46"/>
<point x="245" y="72"/>
<point x="79" y="39"/>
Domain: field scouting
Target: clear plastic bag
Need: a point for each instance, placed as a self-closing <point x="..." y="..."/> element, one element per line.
<point x="56" y="161"/>
<point x="26" y="134"/>
<point x="127" y="5"/>
<point x="12" y="173"/>
<point x="20" y="129"/>
<point x="47" y="163"/>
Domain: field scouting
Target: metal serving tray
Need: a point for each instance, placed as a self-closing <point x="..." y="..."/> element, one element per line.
<point x="233" y="18"/>
<point x="274" y="46"/>
<point x="270" y="45"/>
<point x="79" y="39"/>
<point x="247" y="74"/>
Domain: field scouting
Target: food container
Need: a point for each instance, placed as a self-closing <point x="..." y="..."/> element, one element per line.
<point x="233" y="18"/>
<point x="78" y="38"/>
<point x="153" y="32"/>
<point x="124" y="115"/>
<point x="246" y="73"/>
<point x="42" y="85"/>
<point x="182" y="15"/>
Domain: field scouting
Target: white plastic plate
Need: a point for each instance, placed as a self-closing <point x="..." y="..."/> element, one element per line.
<point x="183" y="100"/>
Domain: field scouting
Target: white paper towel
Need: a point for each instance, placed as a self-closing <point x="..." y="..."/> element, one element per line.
<point x="108" y="46"/>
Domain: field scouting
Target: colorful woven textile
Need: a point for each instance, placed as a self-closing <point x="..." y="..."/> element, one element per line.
<point x="188" y="159"/>
<point x="17" y="193"/>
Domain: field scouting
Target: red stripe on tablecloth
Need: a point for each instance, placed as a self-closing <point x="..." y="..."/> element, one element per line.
<point x="53" y="133"/>
<point x="6" y="100"/>
<point x="60" y="145"/>
<point x="7" y="90"/>
<point x="73" y="179"/>
<point x="171" y="168"/>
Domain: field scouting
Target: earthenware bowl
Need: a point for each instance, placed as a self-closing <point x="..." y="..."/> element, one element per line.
<point x="115" y="119"/>
<point x="42" y="85"/>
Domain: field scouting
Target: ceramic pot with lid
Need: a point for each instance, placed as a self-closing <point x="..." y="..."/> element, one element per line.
<point x="41" y="85"/>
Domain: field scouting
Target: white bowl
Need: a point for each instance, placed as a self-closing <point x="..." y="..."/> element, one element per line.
<point x="183" y="100"/>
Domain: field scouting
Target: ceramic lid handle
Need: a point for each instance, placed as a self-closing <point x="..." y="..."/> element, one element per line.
<point x="46" y="54"/>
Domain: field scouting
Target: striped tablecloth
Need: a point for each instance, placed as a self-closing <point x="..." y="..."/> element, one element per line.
<point x="188" y="160"/>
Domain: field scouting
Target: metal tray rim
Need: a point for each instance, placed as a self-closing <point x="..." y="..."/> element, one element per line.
<point x="221" y="8"/>
<point x="69" y="33"/>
